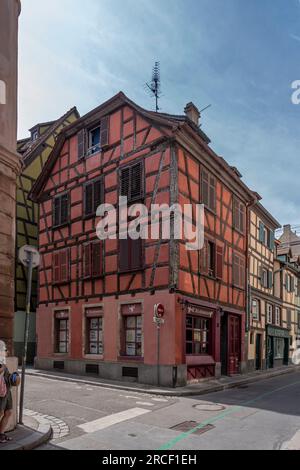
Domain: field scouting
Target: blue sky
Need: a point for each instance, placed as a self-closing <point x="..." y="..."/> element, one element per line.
<point x="239" y="56"/>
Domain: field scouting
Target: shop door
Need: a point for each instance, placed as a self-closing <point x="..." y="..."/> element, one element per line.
<point x="258" y="352"/>
<point x="270" y="352"/>
<point x="234" y="344"/>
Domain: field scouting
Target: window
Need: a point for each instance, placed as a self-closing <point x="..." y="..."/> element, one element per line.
<point x="278" y="348"/>
<point x="289" y="283"/>
<point x="238" y="271"/>
<point x="269" y="313"/>
<point x="95" y="335"/>
<point x="198" y="335"/>
<point x="266" y="236"/>
<point x="289" y="318"/>
<point x="93" y="196"/>
<point x="211" y="258"/>
<point x="266" y="278"/>
<point x="92" y="260"/>
<point x="35" y="136"/>
<point x="208" y="190"/>
<point x="132" y="182"/>
<point x="277" y="316"/>
<point x="130" y="255"/>
<point x="62" y="332"/>
<point x="61" y="267"/>
<point x="238" y="215"/>
<point x="61" y="210"/>
<point x="94" y="141"/>
<point x="256" y="309"/>
<point x="133" y="335"/>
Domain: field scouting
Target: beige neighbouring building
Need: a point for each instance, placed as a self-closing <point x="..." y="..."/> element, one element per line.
<point x="9" y="166"/>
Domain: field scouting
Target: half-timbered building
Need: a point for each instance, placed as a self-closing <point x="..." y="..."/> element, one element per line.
<point x="97" y="298"/>
<point x="35" y="151"/>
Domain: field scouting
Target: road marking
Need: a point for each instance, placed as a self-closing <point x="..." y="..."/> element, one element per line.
<point x="162" y="400"/>
<point x="110" y="420"/>
<point x="221" y="416"/>
<point x="129" y="397"/>
<point x="144" y="403"/>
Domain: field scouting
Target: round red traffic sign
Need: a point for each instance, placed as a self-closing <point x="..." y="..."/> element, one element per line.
<point x="160" y="310"/>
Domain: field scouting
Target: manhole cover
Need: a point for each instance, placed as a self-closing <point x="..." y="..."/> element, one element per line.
<point x="209" y="407"/>
<point x="187" y="426"/>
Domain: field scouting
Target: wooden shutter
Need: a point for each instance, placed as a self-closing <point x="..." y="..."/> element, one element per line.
<point x="88" y="199"/>
<point x="104" y="131"/>
<point x="272" y="240"/>
<point x="270" y="279"/>
<point x="242" y="217"/>
<point x="96" y="259"/>
<point x="125" y="182"/>
<point x="235" y="270"/>
<point x="64" y="209"/>
<point x="97" y="197"/>
<point x="286" y="282"/>
<point x="87" y="261"/>
<point x="57" y="211"/>
<point x="292" y="284"/>
<point x="56" y="268"/>
<point x="204" y="258"/>
<point x="289" y="318"/>
<point x="64" y="266"/>
<point x="81" y="144"/>
<point x="124" y="255"/>
<point x="136" y="182"/>
<point x="135" y="253"/>
<point x="219" y="262"/>
<point x="204" y="187"/>
<point x="212" y="193"/>
<point x="261" y="232"/>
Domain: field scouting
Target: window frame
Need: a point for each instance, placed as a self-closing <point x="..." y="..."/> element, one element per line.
<point x="99" y="180"/>
<point x="193" y="329"/>
<point x="277" y="310"/>
<point x="61" y="223"/>
<point x="88" y="330"/>
<point x="258" y="308"/>
<point x="239" y="215"/>
<point x="92" y="275"/>
<point x="241" y="268"/>
<point x="58" y="330"/>
<point x="124" y="340"/>
<point x="97" y="147"/>
<point x="132" y="199"/>
<point x="206" y="178"/>
<point x="269" y="315"/>
<point x="67" y="279"/>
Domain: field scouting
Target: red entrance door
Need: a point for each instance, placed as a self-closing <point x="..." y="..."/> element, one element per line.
<point x="234" y="344"/>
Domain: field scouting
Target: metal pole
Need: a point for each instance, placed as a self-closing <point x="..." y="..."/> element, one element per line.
<point x="158" y="354"/>
<point x="26" y="333"/>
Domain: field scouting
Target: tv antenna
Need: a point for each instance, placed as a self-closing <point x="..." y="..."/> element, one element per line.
<point x="154" y="86"/>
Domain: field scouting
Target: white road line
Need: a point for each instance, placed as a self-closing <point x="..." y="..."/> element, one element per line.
<point x="110" y="420"/>
<point x="129" y="397"/>
<point x="144" y="403"/>
<point x="162" y="400"/>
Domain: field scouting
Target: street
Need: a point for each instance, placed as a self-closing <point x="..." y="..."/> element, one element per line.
<point x="264" y="415"/>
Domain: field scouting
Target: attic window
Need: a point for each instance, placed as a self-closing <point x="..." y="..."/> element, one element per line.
<point x="2" y="92"/>
<point x="94" y="141"/>
<point x="34" y="135"/>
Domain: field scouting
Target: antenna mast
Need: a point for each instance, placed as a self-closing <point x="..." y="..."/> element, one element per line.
<point x="154" y="86"/>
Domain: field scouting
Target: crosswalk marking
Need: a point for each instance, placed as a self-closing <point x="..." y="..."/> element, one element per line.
<point x="110" y="420"/>
<point x="144" y="403"/>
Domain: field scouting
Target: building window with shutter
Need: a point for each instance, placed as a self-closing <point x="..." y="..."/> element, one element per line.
<point x="61" y="267"/>
<point x="131" y="182"/>
<point x="208" y="190"/>
<point x="289" y="318"/>
<point x="92" y="260"/>
<point x="269" y="308"/>
<point x="130" y="255"/>
<point x="238" y="215"/>
<point x="61" y="210"/>
<point x="93" y="196"/>
<point x="238" y="271"/>
<point x="289" y="283"/>
<point x="255" y="309"/>
<point x="94" y="141"/>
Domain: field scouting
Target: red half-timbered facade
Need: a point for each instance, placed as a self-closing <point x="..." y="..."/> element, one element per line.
<point x="97" y="298"/>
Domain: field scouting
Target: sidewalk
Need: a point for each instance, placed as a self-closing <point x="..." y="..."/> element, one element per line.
<point x="28" y="436"/>
<point x="204" y="387"/>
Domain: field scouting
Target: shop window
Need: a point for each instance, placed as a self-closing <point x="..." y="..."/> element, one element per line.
<point x="133" y="335"/>
<point x="278" y="316"/>
<point x="95" y="336"/>
<point x="61" y="332"/>
<point x="278" y="348"/>
<point x="198" y="335"/>
<point x="269" y="313"/>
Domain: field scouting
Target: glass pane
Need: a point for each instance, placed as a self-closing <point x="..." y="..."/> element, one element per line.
<point x="189" y="321"/>
<point x="138" y="336"/>
<point x="189" y="348"/>
<point x="189" y="335"/>
<point x="130" y="322"/>
<point x="100" y="336"/>
<point x="94" y="323"/>
<point x="130" y="349"/>
<point x="93" y="335"/>
<point x="130" y="336"/>
<point x="62" y="347"/>
<point x="197" y="323"/>
<point x="100" y="348"/>
<point x="139" y="349"/>
<point x="63" y="324"/>
<point x="197" y="335"/>
<point x="63" y="336"/>
<point x="139" y="322"/>
<point x="93" y="348"/>
<point x="197" y="348"/>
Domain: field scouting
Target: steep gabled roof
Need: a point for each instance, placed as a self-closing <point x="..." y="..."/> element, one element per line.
<point x="175" y="123"/>
<point x="30" y="149"/>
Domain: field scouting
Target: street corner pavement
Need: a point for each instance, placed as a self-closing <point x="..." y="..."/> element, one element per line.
<point x="28" y="436"/>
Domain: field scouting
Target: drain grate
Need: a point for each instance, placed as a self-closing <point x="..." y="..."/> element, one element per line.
<point x="187" y="426"/>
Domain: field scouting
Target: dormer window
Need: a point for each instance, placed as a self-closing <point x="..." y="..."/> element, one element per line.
<point x="34" y="135"/>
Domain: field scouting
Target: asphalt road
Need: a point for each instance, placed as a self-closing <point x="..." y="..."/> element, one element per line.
<point x="264" y="415"/>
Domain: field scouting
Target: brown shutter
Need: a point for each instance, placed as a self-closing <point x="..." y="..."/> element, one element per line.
<point x="235" y="270"/>
<point x="57" y="211"/>
<point x="104" y="131"/>
<point x="124" y="255"/>
<point x="88" y="199"/>
<point x="81" y="144"/>
<point x="136" y="182"/>
<point x="242" y="217"/>
<point x="204" y="187"/>
<point x="64" y="209"/>
<point x="204" y="258"/>
<point x="212" y="193"/>
<point x="97" y="199"/>
<point x="87" y="261"/>
<point x="56" y="268"/>
<point x="64" y="265"/>
<point x="96" y="259"/>
<point x="135" y="253"/>
<point x="125" y="182"/>
<point x="219" y="262"/>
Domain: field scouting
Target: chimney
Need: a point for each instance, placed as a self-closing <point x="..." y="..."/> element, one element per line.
<point x="287" y="229"/>
<point x="193" y="113"/>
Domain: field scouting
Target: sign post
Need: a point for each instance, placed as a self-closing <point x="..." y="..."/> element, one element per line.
<point x="30" y="258"/>
<point x="159" y="311"/>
